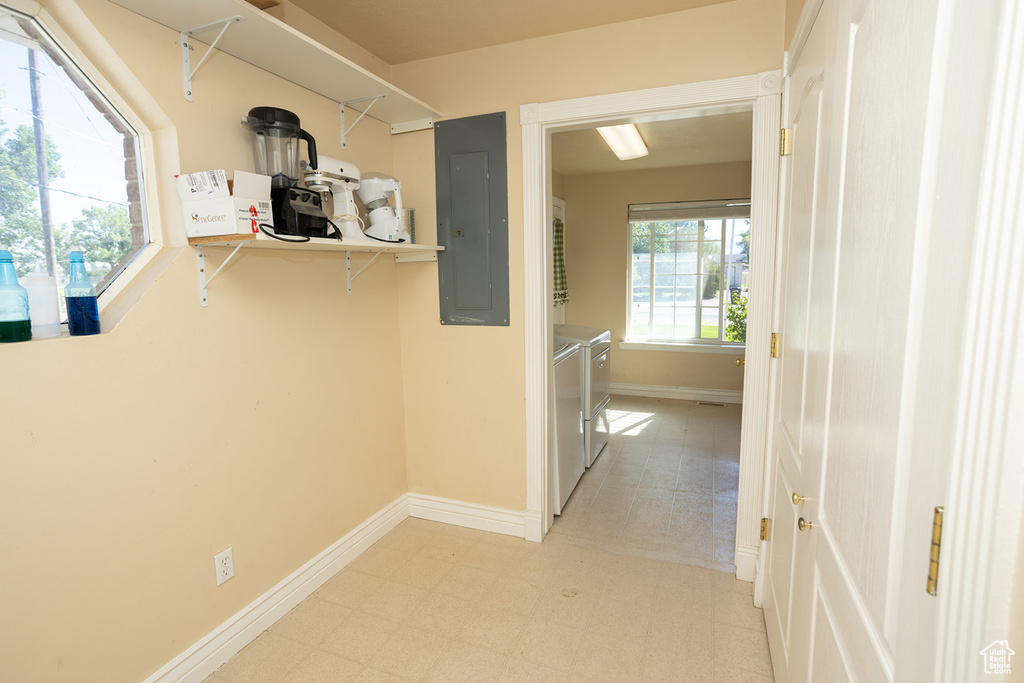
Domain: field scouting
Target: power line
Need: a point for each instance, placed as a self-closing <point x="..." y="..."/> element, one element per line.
<point x="70" y="86"/>
<point x="56" y="189"/>
<point x="57" y="125"/>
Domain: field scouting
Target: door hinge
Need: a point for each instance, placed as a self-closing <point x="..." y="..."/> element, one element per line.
<point x="764" y="528"/>
<point x="933" y="563"/>
<point x="786" y="142"/>
<point x="775" y="344"/>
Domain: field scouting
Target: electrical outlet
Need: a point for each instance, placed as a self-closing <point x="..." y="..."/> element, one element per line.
<point x="224" y="563"/>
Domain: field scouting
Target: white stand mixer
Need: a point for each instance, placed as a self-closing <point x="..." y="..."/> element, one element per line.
<point x="341" y="179"/>
<point x="386" y="224"/>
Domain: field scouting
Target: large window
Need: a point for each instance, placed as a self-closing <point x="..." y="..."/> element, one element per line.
<point x="70" y="171"/>
<point x="690" y="268"/>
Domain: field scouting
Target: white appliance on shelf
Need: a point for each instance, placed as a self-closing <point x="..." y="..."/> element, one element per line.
<point x="386" y="223"/>
<point x="596" y="373"/>
<point x="340" y="179"/>
<point x="568" y="459"/>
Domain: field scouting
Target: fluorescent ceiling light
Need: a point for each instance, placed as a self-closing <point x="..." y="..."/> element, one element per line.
<point x="625" y="141"/>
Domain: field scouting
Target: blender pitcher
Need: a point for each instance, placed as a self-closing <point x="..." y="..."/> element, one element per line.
<point x="275" y="144"/>
<point x="275" y="149"/>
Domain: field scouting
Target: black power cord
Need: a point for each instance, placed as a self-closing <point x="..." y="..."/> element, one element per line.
<point x="301" y="238"/>
<point x="337" y="230"/>
<point x="263" y="228"/>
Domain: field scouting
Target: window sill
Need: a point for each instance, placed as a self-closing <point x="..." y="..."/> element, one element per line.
<point x="685" y="347"/>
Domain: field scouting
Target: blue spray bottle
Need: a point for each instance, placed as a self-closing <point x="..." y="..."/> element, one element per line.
<point x="83" y="313"/>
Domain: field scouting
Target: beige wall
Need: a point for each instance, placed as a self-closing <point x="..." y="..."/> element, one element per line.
<point x="464" y="386"/>
<point x="558" y="185"/>
<point x="597" y="264"/>
<point x="270" y="421"/>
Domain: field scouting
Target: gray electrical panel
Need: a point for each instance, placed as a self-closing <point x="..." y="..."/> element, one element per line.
<point x="472" y="220"/>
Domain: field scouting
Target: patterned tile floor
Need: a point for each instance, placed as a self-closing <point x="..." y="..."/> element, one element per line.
<point x="665" y="487"/>
<point x="622" y="589"/>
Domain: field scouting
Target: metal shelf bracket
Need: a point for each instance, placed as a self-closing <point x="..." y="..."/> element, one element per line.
<point x="187" y="71"/>
<point x="204" y="281"/>
<point x="341" y="109"/>
<point x="348" y="268"/>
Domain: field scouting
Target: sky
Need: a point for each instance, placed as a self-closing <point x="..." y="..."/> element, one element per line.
<point x="91" y="149"/>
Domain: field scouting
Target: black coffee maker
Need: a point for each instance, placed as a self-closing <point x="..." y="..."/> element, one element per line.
<point x="275" y="150"/>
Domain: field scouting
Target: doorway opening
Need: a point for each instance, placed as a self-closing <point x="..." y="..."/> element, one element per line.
<point x="655" y="249"/>
<point x="762" y="94"/>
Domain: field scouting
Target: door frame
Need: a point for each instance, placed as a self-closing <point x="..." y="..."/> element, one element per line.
<point x="763" y="92"/>
<point x="985" y="510"/>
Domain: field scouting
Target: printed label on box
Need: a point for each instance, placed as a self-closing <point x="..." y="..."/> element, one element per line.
<point x="207" y="183"/>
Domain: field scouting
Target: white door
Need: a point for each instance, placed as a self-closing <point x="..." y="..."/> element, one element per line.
<point x="801" y="371"/>
<point x="854" y="260"/>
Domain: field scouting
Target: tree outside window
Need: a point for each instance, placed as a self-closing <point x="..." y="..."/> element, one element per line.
<point x="69" y="170"/>
<point x="690" y="268"/>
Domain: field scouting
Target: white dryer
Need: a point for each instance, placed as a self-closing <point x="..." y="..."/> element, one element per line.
<point x="568" y="460"/>
<point x="595" y="372"/>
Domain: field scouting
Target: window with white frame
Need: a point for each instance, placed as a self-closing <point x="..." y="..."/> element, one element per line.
<point x="690" y="265"/>
<point x="70" y="163"/>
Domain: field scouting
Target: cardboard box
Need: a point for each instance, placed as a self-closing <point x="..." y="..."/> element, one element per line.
<point x="213" y="206"/>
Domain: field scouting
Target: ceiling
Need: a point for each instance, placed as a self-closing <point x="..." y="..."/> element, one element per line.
<point x="400" y="31"/>
<point x="709" y="139"/>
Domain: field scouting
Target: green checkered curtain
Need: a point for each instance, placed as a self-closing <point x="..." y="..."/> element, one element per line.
<point x="561" y="288"/>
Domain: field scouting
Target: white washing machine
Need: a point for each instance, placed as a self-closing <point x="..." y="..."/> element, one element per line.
<point x="568" y="459"/>
<point x="595" y="376"/>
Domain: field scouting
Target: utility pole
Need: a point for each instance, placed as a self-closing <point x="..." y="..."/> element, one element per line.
<point x="41" y="168"/>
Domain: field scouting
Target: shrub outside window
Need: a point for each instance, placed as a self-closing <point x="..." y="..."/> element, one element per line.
<point x="70" y="164"/>
<point x="690" y="265"/>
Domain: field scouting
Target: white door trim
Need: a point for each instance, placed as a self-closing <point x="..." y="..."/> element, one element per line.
<point x="764" y="93"/>
<point x="800" y="34"/>
<point x="981" y="535"/>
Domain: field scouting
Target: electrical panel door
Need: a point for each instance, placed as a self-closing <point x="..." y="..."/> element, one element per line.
<point x="472" y="220"/>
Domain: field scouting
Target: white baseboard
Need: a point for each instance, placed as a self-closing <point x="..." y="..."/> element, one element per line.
<point x="209" y="654"/>
<point x="680" y="393"/>
<point x="206" y="656"/>
<point x="483" y="517"/>
<point x="746" y="562"/>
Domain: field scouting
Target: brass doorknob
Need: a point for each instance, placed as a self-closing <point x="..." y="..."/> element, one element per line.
<point x="740" y="361"/>
<point x="798" y="499"/>
<point x="803" y="525"/>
